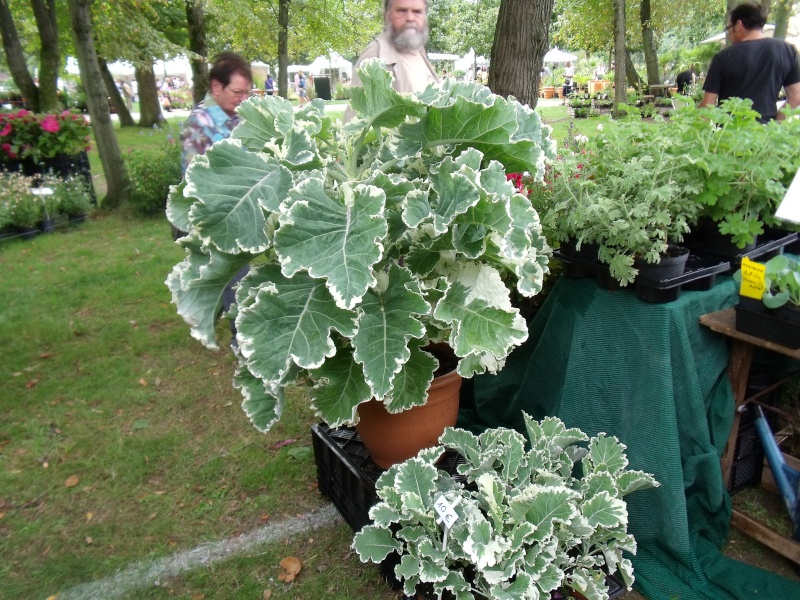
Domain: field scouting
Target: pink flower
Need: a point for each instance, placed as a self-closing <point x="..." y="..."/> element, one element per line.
<point x="7" y="149"/>
<point x="22" y="112"/>
<point x="6" y="129"/>
<point x="50" y="123"/>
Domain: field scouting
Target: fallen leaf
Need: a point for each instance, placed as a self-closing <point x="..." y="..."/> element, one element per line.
<point x="267" y="594"/>
<point x="198" y="596"/>
<point x="46" y="355"/>
<point x="291" y="566"/>
<point x="133" y="323"/>
<point x="142" y="381"/>
<point x="17" y="374"/>
<point x="53" y="597"/>
<point x="71" y="481"/>
<point x="160" y="492"/>
<point x="46" y="551"/>
<point x="152" y="516"/>
<point x="2" y="515"/>
<point x="280" y="445"/>
<point x="45" y="464"/>
<point x="89" y="540"/>
<point x="31" y="383"/>
<point x="264" y="518"/>
<point x="89" y="516"/>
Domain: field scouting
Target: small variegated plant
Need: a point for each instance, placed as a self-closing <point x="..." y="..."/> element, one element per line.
<point x="366" y="242"/>
<point x="527" y="523"/>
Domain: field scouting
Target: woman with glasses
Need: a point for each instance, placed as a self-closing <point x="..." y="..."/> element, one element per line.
<point x="213" y="120"/>
<point x="215" y="117"/>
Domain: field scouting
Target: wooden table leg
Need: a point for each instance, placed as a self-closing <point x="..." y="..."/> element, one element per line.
<point x="738" y="372"/>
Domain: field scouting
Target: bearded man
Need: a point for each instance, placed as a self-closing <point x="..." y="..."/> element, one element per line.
<point x="401" y="45"/>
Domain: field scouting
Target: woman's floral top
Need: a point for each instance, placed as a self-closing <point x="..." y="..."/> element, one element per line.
<point x="207" y="124"/>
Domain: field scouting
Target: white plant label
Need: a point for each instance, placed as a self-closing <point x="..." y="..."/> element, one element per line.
<point x="447" y="516"/>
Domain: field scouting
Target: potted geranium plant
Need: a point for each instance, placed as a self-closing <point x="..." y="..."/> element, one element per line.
<point x="368" y="242"/>
<point x="528" y="522"/>
<point x="744" y="166"/>
<point x="24" y="134"/>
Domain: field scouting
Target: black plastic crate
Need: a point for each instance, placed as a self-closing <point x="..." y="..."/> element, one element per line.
<point x="347" y="475"/>
<point x="748" y="458"/>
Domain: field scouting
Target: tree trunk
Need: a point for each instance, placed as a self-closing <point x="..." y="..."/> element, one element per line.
<point x="125" y="118"/>
<point x="195" y="19"/>
<point x="97" y="100"/>
<point x="783" y="10"/>
<point x="15" y="59"/>
<point x="649" y="43"/>
<point x="49" y="58"/>
<point x="620" y="83"/>
<point x="149" y="105"/>
<point x="520" y="43"/>
<point x="283" y="48"/>
<point x="634" y="79"/>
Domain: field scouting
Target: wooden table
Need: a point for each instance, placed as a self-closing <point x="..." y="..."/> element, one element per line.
<point x="660" y="90"/>
<point x="741" y="358"/>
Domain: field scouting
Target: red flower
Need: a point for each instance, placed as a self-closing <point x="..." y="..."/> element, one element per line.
<point x="6" y="129"/>
<point x="49" y="123"/>
<point x="7" y="149"/>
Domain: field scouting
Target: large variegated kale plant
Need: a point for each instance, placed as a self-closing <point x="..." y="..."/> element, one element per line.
<point x="529" y="522"/>
<point x="366" y="242"/>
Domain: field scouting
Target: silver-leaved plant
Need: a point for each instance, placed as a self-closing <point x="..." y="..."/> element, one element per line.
<point x="529" y="522"/>
<point x="365" y="242"/>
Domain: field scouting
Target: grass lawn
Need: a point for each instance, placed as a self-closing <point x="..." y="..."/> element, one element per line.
<point x="122" y="439"/>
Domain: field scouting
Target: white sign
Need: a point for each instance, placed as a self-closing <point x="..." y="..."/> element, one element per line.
<point x="447" y="516"/>
<point x="789" y="209"/>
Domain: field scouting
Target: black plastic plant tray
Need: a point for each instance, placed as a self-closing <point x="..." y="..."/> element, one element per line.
<point x="770" y="243"/>
<point x="700" y="275"/>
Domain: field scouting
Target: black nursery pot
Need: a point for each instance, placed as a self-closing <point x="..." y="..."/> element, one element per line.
<point x="671" y="265"/>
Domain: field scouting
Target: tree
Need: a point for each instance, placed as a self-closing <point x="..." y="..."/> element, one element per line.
<point x="49" y="58"/>
<point x="96" y="99"/>
<point x="458" y="25"/>
<point x="520" y="43"/>
<point x="620" y="56"/>
<point x="196" y="27"/>
<point x="44" y="96"/>
<point x="649" y="43"/>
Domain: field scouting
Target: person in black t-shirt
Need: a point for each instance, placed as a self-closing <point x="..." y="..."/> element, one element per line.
<point x="685" y="80"/>
<point x="754" y="67"/>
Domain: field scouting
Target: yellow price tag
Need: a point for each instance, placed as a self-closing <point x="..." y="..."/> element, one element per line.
<point x="752" y="279"/>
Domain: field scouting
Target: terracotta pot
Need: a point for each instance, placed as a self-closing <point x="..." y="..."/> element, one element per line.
<point x="548" y="91"/>
<point x="393" y="438"/>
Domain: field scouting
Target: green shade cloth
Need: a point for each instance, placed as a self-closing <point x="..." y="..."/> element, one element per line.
<point x="651" y="375"/>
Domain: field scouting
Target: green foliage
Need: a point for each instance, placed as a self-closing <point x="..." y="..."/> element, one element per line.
<point x="458" y="25"/>
<point x="372" y="240"/>
<point x="73" y="196"/>
<point x="782" y="279"/>
<point x="526" y="526"/>
<point x="21" y="207"/>
<point x="152" y="172"/>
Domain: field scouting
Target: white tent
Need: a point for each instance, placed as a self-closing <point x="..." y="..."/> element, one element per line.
<point x="554" y="55"/>
<point x="332" y="63"/>
<point x="468" y="60"/>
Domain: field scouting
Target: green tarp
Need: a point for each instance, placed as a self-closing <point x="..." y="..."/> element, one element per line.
<point x="653" y="376"/>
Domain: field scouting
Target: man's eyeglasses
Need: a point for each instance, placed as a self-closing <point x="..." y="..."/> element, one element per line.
<point x="731" y="26"/>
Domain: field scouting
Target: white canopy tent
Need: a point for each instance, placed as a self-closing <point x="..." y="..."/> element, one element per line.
<point x="554" y="55"/>
<point x="334" y="62"/>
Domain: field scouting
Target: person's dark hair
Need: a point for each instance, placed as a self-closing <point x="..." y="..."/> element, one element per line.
<point x="226" y="64"/>
<point x="752" y="16"/>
